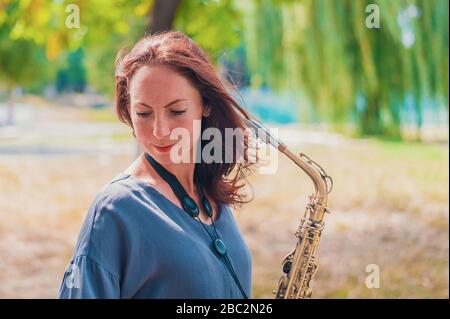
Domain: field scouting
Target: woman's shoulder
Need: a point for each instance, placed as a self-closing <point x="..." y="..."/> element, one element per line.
<point x="121" y="192"/>
<point x="117" y="197"/>
<point x="106" y="222"/>
<point x="120" y="187"/>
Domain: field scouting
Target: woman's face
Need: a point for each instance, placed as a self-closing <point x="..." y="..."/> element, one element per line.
<point x="162" y="100"/>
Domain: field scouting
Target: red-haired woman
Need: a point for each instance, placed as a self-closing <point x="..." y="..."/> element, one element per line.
<point x="164" y="227"/>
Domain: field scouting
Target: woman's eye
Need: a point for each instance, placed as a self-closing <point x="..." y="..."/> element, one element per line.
<point x="177" y="112"/>
<point x="146" y="114"/>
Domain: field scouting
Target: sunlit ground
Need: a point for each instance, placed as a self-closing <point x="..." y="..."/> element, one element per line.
<point x="389" y="207"/>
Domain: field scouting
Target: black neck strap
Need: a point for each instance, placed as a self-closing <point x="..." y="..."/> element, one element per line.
<point x="189" y="205"/>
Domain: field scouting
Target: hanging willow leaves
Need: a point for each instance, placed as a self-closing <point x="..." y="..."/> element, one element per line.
<point x="348" y="70"/>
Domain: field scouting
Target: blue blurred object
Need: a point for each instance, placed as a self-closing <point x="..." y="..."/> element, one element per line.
<point x="269" y="106"/>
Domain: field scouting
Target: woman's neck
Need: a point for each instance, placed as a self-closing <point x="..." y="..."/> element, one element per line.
<point x="184" y="172"/>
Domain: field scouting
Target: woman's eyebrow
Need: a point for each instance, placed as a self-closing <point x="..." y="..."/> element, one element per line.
<point x="171" y="103"/>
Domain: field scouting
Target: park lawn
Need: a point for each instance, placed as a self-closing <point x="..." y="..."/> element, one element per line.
<point x="389" y="208"/>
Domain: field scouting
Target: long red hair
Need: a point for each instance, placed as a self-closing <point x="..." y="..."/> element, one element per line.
<point x="223" y="181"/>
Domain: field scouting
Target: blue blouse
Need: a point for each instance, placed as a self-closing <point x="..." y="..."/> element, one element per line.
<point x="136" y="243"/>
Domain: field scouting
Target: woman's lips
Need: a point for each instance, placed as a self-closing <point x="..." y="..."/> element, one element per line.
<point x="163" y="149"/>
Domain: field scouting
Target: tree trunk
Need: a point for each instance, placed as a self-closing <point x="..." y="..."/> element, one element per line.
<point x="419" y="117"/>
<point x="395" y="129"/>
<point x="370" y="121"/>
<point x="162" y="15"/>
<point x="10" y="105"/>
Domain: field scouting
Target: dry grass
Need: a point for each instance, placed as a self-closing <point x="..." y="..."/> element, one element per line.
<point x="42" y="205"/>
<point x="389" y="207"/>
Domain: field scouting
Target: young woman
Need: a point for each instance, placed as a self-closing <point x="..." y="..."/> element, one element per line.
<point x="164" y="228"/>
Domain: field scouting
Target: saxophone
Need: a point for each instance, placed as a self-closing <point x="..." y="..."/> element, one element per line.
<point x="299" y="267"/>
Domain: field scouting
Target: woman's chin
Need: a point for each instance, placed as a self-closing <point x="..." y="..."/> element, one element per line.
<point x="162" y="157"/>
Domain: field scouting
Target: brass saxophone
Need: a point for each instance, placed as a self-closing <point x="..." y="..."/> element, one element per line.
<point x="299" y="267"/>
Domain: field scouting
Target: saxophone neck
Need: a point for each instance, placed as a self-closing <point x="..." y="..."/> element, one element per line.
<point x="323" y="183"/>
<point x="317" y="174"/>
<point x="319" y="200"/>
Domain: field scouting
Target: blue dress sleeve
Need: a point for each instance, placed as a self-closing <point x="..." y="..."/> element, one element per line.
<point x="84" y="278"/>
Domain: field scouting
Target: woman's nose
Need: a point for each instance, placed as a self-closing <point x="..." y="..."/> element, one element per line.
<point x="161" y="127"/>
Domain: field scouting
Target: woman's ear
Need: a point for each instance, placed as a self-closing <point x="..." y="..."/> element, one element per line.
<point x="206" y="111"/>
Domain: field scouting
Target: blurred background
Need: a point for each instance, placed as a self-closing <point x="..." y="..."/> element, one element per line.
<point x="361" y="86"/>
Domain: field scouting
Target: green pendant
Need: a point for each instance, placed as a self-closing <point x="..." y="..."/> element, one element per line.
<point x="190" y="206"/>
<point x="220" y="247"/>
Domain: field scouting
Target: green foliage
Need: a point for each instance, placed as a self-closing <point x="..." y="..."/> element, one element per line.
<point x="21" y="61"/>
<point x="321" y="49"/>
<point x="325" y="48"/>
<point x="34" y="37"/>
<point x="74" y="76"/>
<point x="105" y="27"/>
<point x="214" y="25"/>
